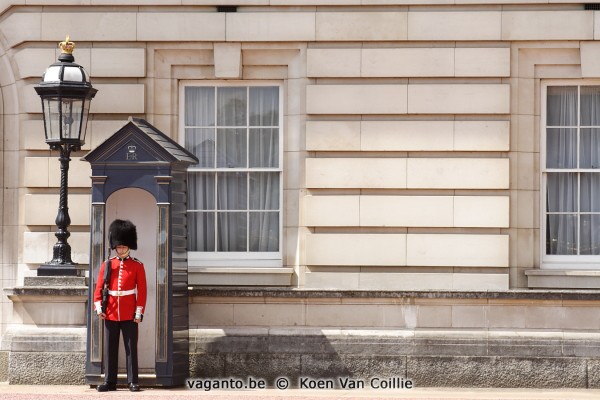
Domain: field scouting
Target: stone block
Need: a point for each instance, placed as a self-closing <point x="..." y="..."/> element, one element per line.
<point x="593" y="374"/>
<point x="79" y="173"/>
<point x="356" y="249"/>
<point x="29" y="101"/>
<point x="32" y="62"/>
<point x="268" y="314"/>
<point x="361" y="26"/>
<point x="526" y="348"/>
<point x="480" y="62"/>
<point x="381" y="173"/>
<point x="36" y="247"/>
<point x="4" y="363"/>
<point x="481" y="211"/>
<point x="481" y="135"/>
<point x="46" y="368"/>
<point x="7" y="75"/>
<point x="267" y="366"/>
<point x="458" y="99"/>
<point x="332" y="280"/>
<point x="468" y="316"/>
<point x="100" y="130"/>
<point x="333" y="63"/>
<point x="12" y="28"/>
<point x="228" y="60"/>
<point x="505" y="372"/>
<point x="407" y="211"/>
<point x="91" y="26"/>
<point x="204" y="365"/>
<point x="180" y="26"/>
<point x="590" y="59"/>
<point x="470" y="282"/>
<point x="36" y="171"/>
<point x="124" y="98"/>
<point x="548" y="25"/>
<point x="269" y="26"/>
<point x="407" y="62"/>
<point x="333" y="135"/>
<point x="455" y="25"/>
<point x="40" y="209"/>
<point x="407" y="136"/>
<point x="457" y="173"/>
<point x="331" y="211"/>
<point x="405" y="281"/>
<point x="31" y="132"/>
<point x="132" y="62"/>
<point x="467" y="250"/>
<point x="356" y="99"/>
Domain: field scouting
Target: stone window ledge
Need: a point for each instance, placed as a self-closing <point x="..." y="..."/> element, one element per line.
<point x="563" y="279"/>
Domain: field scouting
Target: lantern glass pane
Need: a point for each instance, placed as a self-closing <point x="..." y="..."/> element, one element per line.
<point x="73" y="74"/>
<point x="52" y="118"/>
<point x="71" y="118"/>
<point x="86" y="111"/>
<point x="52" y="74"/>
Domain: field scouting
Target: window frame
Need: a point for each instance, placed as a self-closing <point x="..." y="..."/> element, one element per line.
<point x="585" y="262"/>
<point x="246" y="258"/>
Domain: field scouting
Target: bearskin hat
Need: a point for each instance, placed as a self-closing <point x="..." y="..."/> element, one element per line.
<point x="123" y="233"/>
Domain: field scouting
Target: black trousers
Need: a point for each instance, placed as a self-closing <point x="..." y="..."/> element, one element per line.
<point x="112" y="330"/>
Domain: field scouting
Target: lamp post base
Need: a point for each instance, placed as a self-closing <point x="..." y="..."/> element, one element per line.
<point x="50" y="269"/>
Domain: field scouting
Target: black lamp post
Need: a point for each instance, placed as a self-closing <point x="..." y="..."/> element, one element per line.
<point x="66" y="93"/>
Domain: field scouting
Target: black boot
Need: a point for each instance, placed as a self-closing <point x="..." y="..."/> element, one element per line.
<point x="134" y="387"/>
<point x="105" y="387"/>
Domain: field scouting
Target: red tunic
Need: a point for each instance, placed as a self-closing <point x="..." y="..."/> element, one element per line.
<point x="125" y="275"/>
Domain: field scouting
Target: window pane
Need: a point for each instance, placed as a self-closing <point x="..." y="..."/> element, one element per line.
<point x="201" y="191"/>
<point x="590" y="105"/>
<point x="561" y="148"/>
<point x="264" y="190"/>
<point x="231" y="106"/>
<point x="590" y="235"/>
<point x="561" y="107"/>
<point x="231" y="231"/>
<point x="264" y="106"/>
<point x="561" y="193"/>
<point x="231" y="148"/>
<point x="232" y="191"/>
<point x="590" y="192"/>
<point x="561" y="234"/>
<point x="201" y="231"/>
<point x="264" y="148"/>
<point x="589" y="148"/>
<point x="265" y="231"/>
<point x="201" y="143"/>
<point x="200" y="106"/>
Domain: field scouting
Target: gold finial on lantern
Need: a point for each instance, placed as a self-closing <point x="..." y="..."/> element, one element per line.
<point x="67" y="46"/>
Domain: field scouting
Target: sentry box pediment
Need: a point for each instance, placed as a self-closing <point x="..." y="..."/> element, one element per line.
<point x="137" y="155"/>
<point x="139" y="173"/>
<point x="139" y="142"/>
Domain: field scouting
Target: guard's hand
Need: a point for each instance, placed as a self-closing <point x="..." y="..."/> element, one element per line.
<point x="137" y="321"/>
<point x="102" y="315"/>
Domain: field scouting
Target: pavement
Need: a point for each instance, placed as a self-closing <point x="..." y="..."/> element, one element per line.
<point x="58" y="392"/>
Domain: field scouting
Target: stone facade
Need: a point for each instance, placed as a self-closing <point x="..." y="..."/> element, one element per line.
<point x="411" y="162"/>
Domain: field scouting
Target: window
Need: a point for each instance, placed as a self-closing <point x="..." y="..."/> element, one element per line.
<point x="235" y="191"/>
<point x="571" y="176"/>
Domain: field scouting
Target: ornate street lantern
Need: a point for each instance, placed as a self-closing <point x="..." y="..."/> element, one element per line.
<point x="66" y="93"/>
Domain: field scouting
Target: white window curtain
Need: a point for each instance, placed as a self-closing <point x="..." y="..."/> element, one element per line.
<point x="572" y="185"/>
<point x="234" y="191"/>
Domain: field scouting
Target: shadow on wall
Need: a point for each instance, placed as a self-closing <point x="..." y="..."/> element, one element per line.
<point x="468" y="361"/>
<point x="305" y="360"/>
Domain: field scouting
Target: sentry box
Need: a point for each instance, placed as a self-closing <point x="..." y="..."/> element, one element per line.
<point x="139" y="174"/>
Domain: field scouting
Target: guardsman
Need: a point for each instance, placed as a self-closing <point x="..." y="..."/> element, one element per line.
<point x="125" y="307"/>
